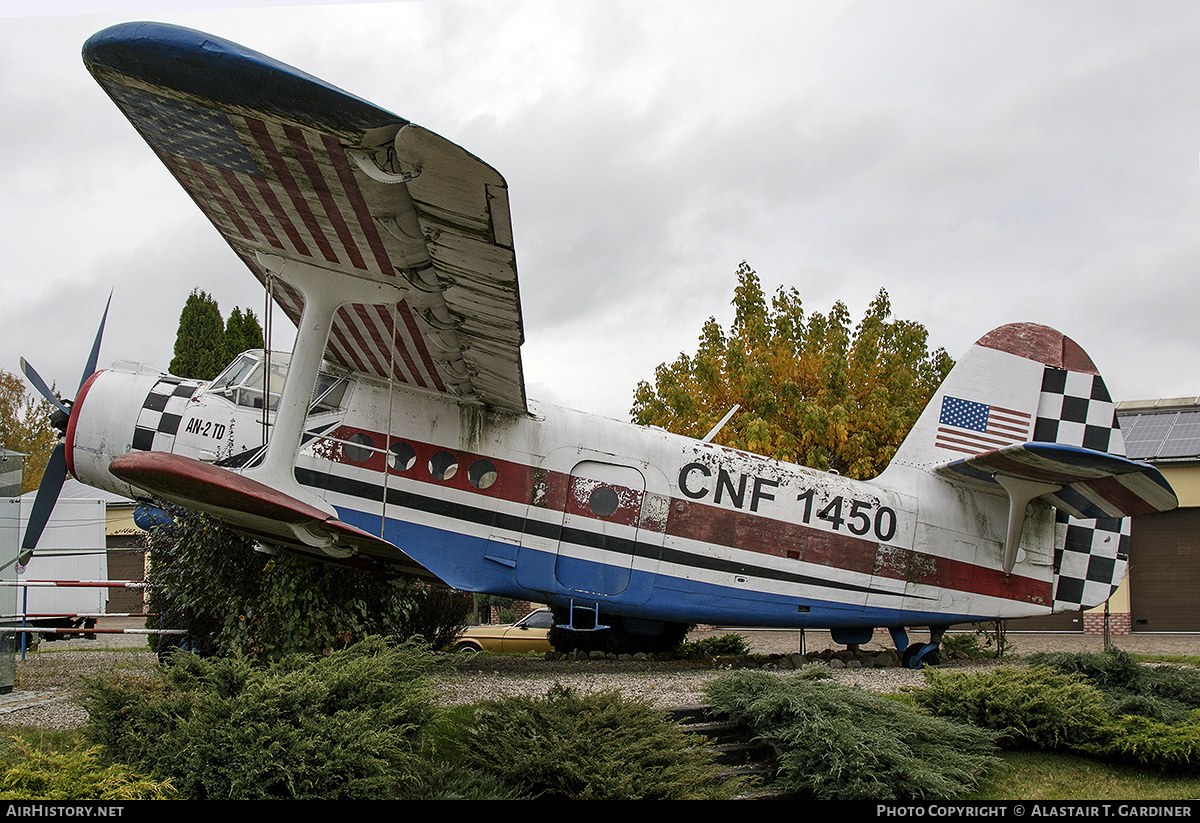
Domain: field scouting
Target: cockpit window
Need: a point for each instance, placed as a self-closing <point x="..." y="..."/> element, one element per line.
<point x="243" y="382"/>
<point x="329" y="393"/>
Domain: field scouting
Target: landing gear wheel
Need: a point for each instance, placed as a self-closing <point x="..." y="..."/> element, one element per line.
<point x="920" y="654"/>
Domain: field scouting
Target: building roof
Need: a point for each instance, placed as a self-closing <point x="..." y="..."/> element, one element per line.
<point x="1161" y="431"/>
<point x="72" y="489"/>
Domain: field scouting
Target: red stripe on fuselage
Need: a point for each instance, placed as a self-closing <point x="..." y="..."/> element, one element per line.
<point x="73" y="420"/>
<point x="707" y="524"/>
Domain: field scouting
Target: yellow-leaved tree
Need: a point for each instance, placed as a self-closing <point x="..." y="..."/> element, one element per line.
<point x="25" y="427"/>
<point x="811" y="389"/>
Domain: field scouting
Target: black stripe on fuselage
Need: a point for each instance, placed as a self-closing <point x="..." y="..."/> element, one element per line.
<point x="555" y="531"/>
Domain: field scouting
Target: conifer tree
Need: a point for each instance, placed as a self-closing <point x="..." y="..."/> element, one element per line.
<point x="205" y="343"/>
<point x="242" y="333"/>
<point x="200" y="341"/>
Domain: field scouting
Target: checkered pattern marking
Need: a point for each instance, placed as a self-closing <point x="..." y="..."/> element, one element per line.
<point x="1091" y="556"/>
<point x="161" y="412"/>
<point x="1075" y="410"/>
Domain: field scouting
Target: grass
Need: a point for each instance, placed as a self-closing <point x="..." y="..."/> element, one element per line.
<point x="1051" y="776"/>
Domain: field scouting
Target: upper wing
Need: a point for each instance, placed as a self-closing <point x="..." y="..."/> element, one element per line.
<point x="286" y="165"/>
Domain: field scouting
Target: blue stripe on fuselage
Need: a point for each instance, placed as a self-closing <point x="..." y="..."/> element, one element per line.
<point x="461" y="561"/>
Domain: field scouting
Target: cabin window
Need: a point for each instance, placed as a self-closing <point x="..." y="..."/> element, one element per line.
<point x="329" y="393"/>
<point x="443" y="465"/>
<point x="482" y="474"/>
<point x="603" y="501"/>
<point x="243" y="382"/>
<point x="359" y="447"/>
<point x="402" y="457"/>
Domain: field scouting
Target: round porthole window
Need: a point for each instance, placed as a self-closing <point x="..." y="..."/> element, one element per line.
<point x="482" y="474"/>
<point x="603" y="501"/>
<point x="401" y="457"/>
<point x="443" y="465"/>
<point x="359" y="447"/>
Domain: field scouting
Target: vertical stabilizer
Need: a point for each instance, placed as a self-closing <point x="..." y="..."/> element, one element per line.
<point x="1020" y="383"/>
<point x="1025" y="383"/>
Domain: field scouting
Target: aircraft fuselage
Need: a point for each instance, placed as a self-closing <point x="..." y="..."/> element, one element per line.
<point x="658" y="525"/>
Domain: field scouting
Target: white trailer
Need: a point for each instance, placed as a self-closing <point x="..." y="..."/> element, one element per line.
<point x="71" y="549"/>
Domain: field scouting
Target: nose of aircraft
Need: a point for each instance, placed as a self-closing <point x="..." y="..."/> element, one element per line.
<point x="104" y="423"/>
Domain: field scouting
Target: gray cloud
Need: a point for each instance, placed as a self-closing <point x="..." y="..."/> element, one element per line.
<point x="984" y="162"/>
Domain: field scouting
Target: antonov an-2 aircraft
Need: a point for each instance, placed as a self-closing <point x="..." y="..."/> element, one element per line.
<point x="397" y="436"/>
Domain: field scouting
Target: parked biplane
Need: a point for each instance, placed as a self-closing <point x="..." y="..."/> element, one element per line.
<point x="397" y="435"/>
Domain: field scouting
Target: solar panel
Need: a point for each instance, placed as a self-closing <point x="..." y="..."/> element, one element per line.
<point x="1162" y="435"/>
<point x="1184" y="438"/>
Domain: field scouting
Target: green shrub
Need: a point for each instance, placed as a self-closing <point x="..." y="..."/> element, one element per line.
<point x="727" y="645"/>
<point x="1107" y="670"/>
<point x="1155" y="709"/>
<point x="966" y="644"/>
<point x="1169" y="747"/>
<point x="343" y="726"/>
<point x="1029" y="706"/>
<point x="1165" y="693"/>
<point x="458" y="782"/>
<point x="835" y="742"/>
<point x="601" y="746"/>
<point x="1137" y="719"/>
<point x="231" y="599"/>
<point x="77" y="773"/>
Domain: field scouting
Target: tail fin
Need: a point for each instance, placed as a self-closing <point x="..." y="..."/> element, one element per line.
<point x="1026" y="411"/>
<point x="1020" y="383"/>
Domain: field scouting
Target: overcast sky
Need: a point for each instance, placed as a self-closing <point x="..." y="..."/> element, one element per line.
<point x="985" y="162"/>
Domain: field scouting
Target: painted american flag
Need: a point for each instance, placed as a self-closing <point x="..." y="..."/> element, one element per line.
<point x="275" y="187"/>
<point x="973" y="428"/>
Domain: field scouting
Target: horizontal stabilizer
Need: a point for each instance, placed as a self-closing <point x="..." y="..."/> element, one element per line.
<point x="1084" y="483"/>
<point x="260" y="511"/>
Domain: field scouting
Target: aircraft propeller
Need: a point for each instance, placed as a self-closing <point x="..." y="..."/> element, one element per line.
<point x="56" y="467"/>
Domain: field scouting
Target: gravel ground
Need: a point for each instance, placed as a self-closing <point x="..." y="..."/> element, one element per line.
<point x="47" y="680"/>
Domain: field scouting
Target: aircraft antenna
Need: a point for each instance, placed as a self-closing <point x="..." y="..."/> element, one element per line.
<point x="713" y="431"/>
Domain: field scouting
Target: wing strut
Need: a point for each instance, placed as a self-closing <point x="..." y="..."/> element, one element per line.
<point x="1020" y="493"/>
<point x="324" y="292"/>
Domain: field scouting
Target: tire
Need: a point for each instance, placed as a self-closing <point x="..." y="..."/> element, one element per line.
<point x="912" y="658"/>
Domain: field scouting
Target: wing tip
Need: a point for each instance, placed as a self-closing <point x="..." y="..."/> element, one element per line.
<point x="183" y="60"/>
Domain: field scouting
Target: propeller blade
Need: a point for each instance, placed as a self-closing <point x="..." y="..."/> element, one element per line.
<point x="43" y="503"/>
<point x="90" y="368"/>
<point x="56" y="467"/>
<point x="40" y="384"/>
